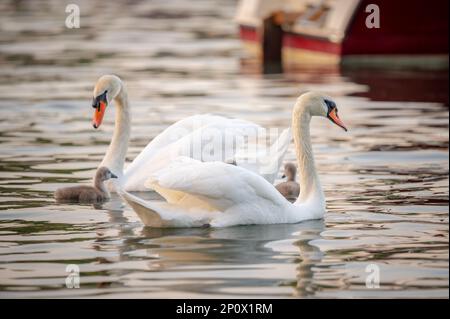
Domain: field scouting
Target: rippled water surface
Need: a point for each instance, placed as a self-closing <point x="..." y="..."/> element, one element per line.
<point x="386" y="180"/>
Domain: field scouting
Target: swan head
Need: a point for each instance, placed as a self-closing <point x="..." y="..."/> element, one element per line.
<point x="103" y="174"/>
<point x="105" y="90"/>
<point x="318" y="104"/>
<point x="290" y="170"/>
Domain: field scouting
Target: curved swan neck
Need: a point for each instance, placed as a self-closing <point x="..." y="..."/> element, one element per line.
<point x="309" y="180"/>
<point x="115" y="156"/>
<point x="100" y="186"/>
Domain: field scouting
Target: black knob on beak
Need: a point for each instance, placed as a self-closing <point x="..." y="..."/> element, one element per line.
<point x="95" y="103"/>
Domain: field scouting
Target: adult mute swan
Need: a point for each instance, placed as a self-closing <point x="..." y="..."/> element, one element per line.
<point x="219" y="194"/>
<point x="203" y="137"/>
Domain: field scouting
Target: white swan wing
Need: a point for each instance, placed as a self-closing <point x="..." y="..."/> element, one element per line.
<point x="209" y="193"/>
<point x="216" y="141"/>
<point x="241" y="196"/>
<point x="265" y="161"/>
<point x="214" y="183"/>
<point x="216" y="194"/>
<point x="170" y="135"/>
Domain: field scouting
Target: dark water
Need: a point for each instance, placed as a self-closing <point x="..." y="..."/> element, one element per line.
<point x="386" y="180"/>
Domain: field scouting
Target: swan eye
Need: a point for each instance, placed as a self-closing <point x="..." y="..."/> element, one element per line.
<point x="100" y="98"/>
<point x="330" y="105"/>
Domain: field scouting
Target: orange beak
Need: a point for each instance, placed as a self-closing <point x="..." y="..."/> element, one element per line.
<point x="335" y="119"/>
<point x="98" y="114"/>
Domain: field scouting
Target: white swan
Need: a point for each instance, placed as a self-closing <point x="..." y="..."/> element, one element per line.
<point x="220" y="195"/>
<point x="200" y="136"/>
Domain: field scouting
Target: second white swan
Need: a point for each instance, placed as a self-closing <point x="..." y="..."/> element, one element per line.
<point x="219" y="195"/>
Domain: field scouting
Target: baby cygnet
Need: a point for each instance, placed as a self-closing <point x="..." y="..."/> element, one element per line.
<point x="88" y="194"/>
<point x="289" y="189"/>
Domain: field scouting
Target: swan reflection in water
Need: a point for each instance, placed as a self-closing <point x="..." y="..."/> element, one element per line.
<point x="189" y="254"/>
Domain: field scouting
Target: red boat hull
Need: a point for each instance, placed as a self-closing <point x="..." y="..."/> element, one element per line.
<point x="412" y="33"/>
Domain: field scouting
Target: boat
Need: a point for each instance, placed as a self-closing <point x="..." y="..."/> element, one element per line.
<point x="350" y="33"/>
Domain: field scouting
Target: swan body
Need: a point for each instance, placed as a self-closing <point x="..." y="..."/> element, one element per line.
<point x="85" y="193"/>
<point x="241" y="197"/>
<point x="219" y="194"/>
<point x="203" y="137"/>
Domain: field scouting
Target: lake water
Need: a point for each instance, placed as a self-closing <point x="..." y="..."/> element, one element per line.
<point x="386" y="180"/>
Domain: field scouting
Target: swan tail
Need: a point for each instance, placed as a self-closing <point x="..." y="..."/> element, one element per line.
<point x="162" y="214"/>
